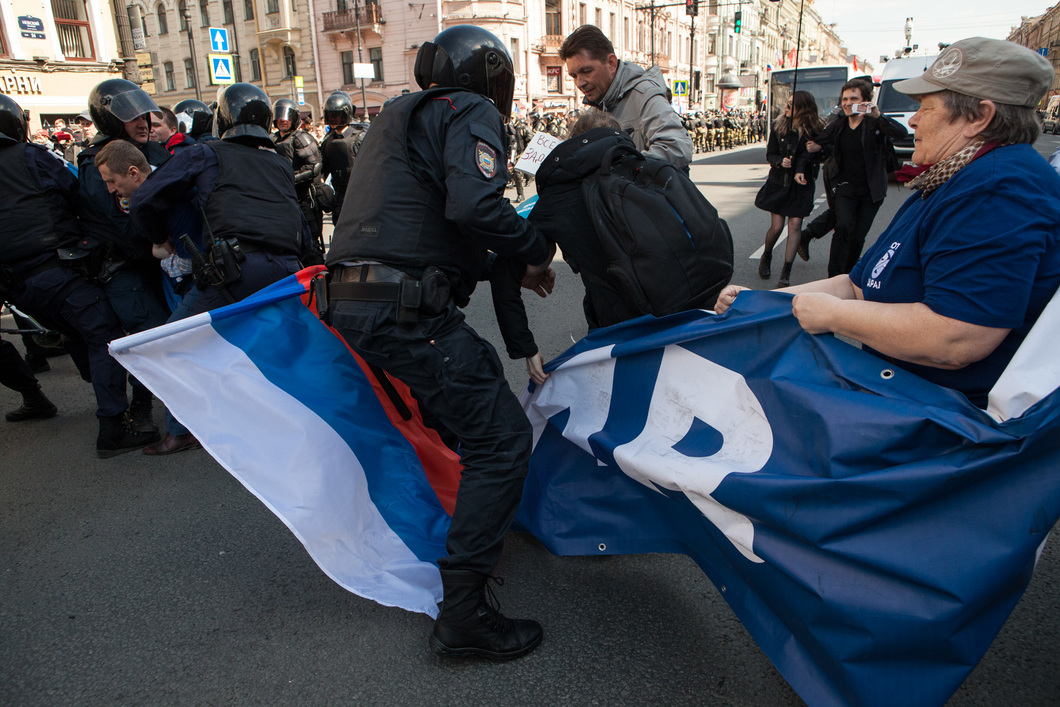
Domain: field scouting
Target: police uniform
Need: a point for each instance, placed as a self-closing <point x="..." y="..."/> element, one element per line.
<point x="430" y="182"/>
<point x="338" y="153"/>
<point x="302" y="150"/>
<point x="38" y="203"/>
<point x="247" y="194"/>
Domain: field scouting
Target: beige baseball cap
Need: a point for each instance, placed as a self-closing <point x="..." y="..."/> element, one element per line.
<point x="992" y="69"/>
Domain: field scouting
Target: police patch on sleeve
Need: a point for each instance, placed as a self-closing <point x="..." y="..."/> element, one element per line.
<point x="486" y="159"/>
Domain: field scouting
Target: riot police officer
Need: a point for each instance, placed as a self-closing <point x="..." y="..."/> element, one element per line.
<point x="252" y="227"/>
<point x="430" y="206"/>
<point x="38" y="226"/>
<point x="339" y="147"/>
<point x="302" y="150"/>
<point x="194" y="123"/>
<point x="121" y="257"/>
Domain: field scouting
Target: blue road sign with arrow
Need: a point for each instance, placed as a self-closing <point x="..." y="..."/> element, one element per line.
<point x="219" y="39"/>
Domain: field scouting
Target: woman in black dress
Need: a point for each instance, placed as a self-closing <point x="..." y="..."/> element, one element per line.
<point x="789" y="189"/>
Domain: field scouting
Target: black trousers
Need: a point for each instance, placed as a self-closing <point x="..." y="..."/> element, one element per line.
<point x="14" y="373"/>
<point x="81" y="311"/>
<point x="457" y="376"/>
<point x="853" y="219"/>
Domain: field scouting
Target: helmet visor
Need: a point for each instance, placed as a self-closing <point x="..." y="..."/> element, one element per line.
<point x="500" y="85"/>
<point x="131" y="104"/>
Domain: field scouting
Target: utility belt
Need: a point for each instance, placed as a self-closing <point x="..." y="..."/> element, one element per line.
<point x="219" y="266"/>
<point x="428" y="294"/>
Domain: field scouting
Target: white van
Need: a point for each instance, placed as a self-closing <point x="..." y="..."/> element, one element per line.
<point x="898" y="105"/>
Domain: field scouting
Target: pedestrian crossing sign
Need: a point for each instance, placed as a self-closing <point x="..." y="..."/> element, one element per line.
<point x="680" y="88"/>
<point x="221" y="69"/>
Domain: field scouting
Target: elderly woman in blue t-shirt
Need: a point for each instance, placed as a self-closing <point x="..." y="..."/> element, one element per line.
<point x="953" y="285"/>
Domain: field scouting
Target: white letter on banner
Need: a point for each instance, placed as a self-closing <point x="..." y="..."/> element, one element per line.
<point x="689" y="387"/>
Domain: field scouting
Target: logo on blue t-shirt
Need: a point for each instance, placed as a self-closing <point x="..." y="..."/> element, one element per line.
<point x="881" y="265"/>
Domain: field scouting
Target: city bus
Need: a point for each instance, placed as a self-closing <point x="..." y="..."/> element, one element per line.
<point x="824" y="82"/>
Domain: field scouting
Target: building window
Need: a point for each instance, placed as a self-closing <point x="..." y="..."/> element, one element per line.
<point x="375" y="55"/>
<point x="189" y="73"/>
<point x="708" y="85"/>
<point x="713" y="8"/>
<point x="611" y="34"/>
<point x="248" y="9"/>
<point x="553" y="17"/>
<point x="600" y="19"/>
<point x="255" y="66"/>
<point x="347" y="67"/>
<point x="226" y="10"/>
<point x="204" y="13"/>
<point x="289" y="67"/>
<point x="554" y="79"/>
<point x="171" y="81"/>
<point x="163" y="24"/>
<point x="272" y="6"/>
<point x="71" y="24"/>
<point x="3" y="42"/>
<point x="581" y="14"/>
<point x="182" y="13"/>
<point x="516" y="63"/>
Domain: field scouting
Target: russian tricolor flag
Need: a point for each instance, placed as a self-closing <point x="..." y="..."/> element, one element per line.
<point x="367" y="492"/>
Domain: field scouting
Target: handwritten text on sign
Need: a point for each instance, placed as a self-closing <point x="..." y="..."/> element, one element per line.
<point x="536" y="152"/>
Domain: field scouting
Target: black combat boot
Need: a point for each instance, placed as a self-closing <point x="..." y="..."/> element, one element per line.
<point x="471" y="625"/>
<point x="35" y="406"/>
<point x="140" y="411"/>
<point x="115" y="437"/>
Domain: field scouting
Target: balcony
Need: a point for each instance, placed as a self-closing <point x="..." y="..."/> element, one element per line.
<point x="548" y="44"/>
<point x="368" y="15"/>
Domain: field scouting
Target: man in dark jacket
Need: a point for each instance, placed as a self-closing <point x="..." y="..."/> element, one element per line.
<point x="856" y="142"/>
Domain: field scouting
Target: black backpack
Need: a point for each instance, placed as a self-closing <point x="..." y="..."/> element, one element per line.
<point x="667" y="250"/>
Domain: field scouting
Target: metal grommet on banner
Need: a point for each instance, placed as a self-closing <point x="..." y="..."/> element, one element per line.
<point x="887" y="374"/>
<point x="602" y="547"/>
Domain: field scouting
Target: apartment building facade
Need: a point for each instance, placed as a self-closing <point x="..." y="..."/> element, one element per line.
<point x="53" y="52"/>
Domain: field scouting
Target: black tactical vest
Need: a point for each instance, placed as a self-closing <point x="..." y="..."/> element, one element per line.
<point x="253" y="198"/>
<point x="32" y="222"/>
<point x="339" y="153"/>
<point x="398" y="216"/>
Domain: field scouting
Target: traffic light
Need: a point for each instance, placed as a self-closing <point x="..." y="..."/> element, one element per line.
<point x="692" y="7"/>
<point x="737" y="21"/>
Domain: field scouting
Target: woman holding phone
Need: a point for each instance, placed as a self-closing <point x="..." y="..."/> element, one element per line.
<point x="857" y="143"/>
<point x="788" y="191"/>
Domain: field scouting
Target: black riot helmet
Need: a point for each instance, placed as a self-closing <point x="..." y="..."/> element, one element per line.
<point x="194" y="117"/>
<point x="466" y="56"/>
<point x="338" y="109"/>
<point x="286" y="109"/>
<point x="117" y="101"/>
<point x="243" y="110"/>
<point x="13" y="123"/>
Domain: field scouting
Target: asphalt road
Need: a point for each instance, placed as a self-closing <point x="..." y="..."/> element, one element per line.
<point x="162" y="581"/>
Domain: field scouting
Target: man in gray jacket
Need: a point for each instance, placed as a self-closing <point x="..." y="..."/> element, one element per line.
<point x="637" y="98"/>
